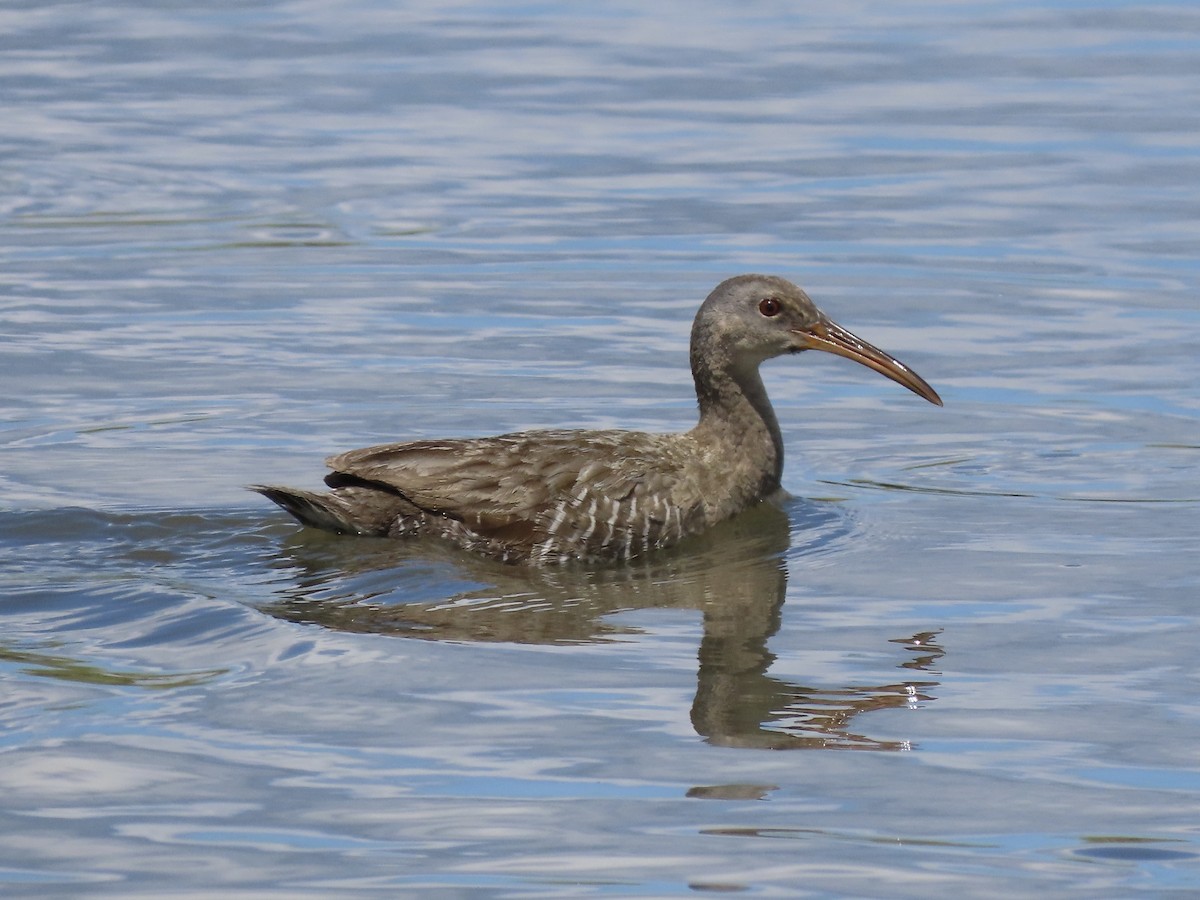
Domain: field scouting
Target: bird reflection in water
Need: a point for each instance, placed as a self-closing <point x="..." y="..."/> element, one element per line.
<point x="735" y="575"/>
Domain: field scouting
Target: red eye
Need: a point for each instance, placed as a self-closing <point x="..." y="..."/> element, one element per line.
<point x="770" y="307"/>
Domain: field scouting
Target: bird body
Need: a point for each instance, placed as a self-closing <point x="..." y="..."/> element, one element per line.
<point x="532" y="496"/>
<point x="553" y="496"/>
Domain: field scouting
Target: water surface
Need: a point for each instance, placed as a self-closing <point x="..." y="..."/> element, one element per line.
<point x="235" y="238"/>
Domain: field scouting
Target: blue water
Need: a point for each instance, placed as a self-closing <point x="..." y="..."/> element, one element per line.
<point x="236" y="238"/>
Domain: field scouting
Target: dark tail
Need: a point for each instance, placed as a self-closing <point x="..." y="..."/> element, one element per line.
<point x="341" y="511"/>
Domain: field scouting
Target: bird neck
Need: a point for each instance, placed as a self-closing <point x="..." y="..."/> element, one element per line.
<point x="736" y="419"/>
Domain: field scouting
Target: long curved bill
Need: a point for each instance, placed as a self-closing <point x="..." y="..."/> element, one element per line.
<point x="833" y="338"/>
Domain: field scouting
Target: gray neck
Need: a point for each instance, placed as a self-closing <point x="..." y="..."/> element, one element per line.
<point x="736" y="417"/>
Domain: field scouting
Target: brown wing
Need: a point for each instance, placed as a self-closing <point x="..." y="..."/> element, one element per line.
<point x="556" y="494"/>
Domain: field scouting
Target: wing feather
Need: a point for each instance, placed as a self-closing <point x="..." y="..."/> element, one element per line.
<point x="554" y="493"/>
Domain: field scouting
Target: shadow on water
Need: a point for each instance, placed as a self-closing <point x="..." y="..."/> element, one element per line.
<point x="735" y="576"/>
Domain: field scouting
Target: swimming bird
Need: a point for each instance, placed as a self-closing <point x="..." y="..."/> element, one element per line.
<point x="553" y="496"/>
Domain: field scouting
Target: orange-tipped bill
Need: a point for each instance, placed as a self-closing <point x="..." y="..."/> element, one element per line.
<point x="833" y="338"/>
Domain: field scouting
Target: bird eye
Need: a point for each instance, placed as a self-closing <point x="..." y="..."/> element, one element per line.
<point x="770" y="307"/>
